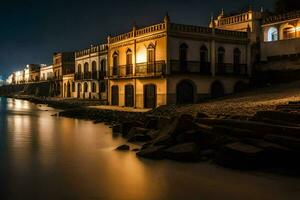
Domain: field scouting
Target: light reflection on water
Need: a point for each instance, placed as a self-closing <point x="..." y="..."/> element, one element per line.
<point x="44" y="157"/>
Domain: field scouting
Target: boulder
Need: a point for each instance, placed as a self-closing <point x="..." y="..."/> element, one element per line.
<point x="289" y="142"/>
<point x="156" y="122"/>
<point x="126" y="126"/>
<point x="139" y="138"/>
<point x="137" y="131"/>
<point x="123" y="147"/>
<point x="201" y="115"/>
<point x="116" y="128"/>
<point x="241" y="156"/>
<point x="183" y="152"/>
<point x="279" y="116"/>
<point x="153" y="152"/>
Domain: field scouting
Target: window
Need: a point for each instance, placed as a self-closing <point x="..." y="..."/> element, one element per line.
<point x="236" y="56"/>
<point x="289" y="33"/>
<point x="221" y="55"/>
<point x="103" y="65"/>
<point x="203" y="54"/>
<point x="151" y="53"/>
<point x="272" y="34"/>
<point x="85" y="87"/>
<point x="79" y="68"/>
<point x="183" y="50"/>
<point x="86" y="67"/>
<point x="115" y="64"/>
<point x="129" y="57"/>
<point x="94" y="66"/>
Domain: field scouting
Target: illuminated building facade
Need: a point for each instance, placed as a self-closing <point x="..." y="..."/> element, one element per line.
<point x="280" y="48"/>
<point x="46" y="73"/>
<point x="170" y="63"/>
<point x="63" y="64"/>
<point x="90" y="70"/>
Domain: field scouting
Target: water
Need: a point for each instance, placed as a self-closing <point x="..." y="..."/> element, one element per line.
<point x="45" y="157"/>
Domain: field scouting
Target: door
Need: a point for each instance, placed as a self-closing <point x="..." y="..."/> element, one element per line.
<point x="150" y="96"/>
<point x="115" y="95"/>
<point x="185" y="93"/>
<point x="129" y="96"/>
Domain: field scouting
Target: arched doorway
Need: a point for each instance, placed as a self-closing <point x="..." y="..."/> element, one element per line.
<point x="150" y="96"/>
<point x="79" y="89"/>
<point x="115" y="95"/>
<point x="65" y="91"/>
<point x="217" y="89"/>
<point x="129" y="96"/>
<point x="85" y="89"/>
<point x="68" y="90"/>
<point x="185" y="92"/>
<point x="58" y="89"/>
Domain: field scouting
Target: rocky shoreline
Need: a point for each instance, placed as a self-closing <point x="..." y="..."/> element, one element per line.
<point x="267" y="140"/>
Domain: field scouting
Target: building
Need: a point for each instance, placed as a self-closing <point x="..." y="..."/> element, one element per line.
<point x="19" y="77"/>
<point x="46" y="73"/>
<point x="90" y="70"/>
<point x="170" y="63"/>
<point x="63" y="64"/>
<point x="9" y="79"/>
<point x="280" y="47"/>
<point x="69" y="86"/>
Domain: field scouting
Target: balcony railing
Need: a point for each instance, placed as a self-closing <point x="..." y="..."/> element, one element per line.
<point x="141" y="69"/>
<point x="190" y="67"/>
<point x="95" y="75"/>
<point x="231" y="69"/>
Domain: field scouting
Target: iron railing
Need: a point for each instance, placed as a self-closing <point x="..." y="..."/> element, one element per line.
<point x="190" y="67"/>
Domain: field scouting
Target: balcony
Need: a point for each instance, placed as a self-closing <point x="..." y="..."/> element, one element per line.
<point x="141" y="70"/>
<point x="203" y="68"/>
<point x="231" y="69"/>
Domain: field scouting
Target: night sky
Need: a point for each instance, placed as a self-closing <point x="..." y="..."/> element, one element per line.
<point x="32" y="30"/>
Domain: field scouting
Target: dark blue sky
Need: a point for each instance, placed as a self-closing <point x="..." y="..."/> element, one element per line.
<point x="31" y="30"/>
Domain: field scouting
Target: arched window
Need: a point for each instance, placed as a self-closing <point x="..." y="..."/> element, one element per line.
<point x="236" y="56"/>
<point x="94" y="66"/>
<point x="221" y="55"/>
<point x="151" y="59"/>
<point x="272" y="34"/>
<point x="86" y="67"/>
<point x="94" y="87"/>
<point x="289" y="32"/>
<point x="129" y="69"/>
<point x="183" y="50"/>
<point x="103" y="65"/>
<point x="151" y="53"/>
<point x="204" y="65"/>
<point x="115" y="63"/>
<point x="79" y="70"/>
<point x="203" y="54"/>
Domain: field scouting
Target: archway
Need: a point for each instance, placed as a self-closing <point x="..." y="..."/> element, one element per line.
<point x="272" y="34"/>
<point x="217" y="89"/>
<point x="79" y="89"/>
<point x="185" y="92"/>
<point x="129" y="96"/>
<point x="85" y="89"/>
<point x="115" y="95"/>
<point x="150" y="96"/>
<point x="68" y="90"/>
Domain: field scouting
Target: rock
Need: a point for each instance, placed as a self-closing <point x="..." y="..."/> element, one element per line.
<point x="236" y="132"/>
<point x="126" y="126"/>
<point x="279" y="116"/>
<point x="258" y="127"/>
<point x="153" y="152"/>
<point x="116" y="128"/>
<point x="183" y="152"/>
<point x="241" y="156"/>
<point x="201" y="115"/>
<point x="189" y="136"/>
<point x="156" y="122"/>
<point x="135" y="150"/>
<point x="139" y="138"/>
<point x="137" y="131"/>
<point x="206" y="155"/>
<point x="289" y="142"/>
<point x="123" y="147"/>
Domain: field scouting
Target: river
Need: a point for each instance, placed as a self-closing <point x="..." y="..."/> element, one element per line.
<point x="47" y="157"/>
